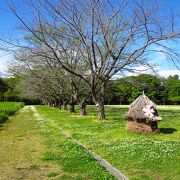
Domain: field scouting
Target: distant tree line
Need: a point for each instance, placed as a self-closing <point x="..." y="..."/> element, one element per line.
<point x="10" y="90"/>
<point x="119" y="91"/>
<point x="160" y="90"/>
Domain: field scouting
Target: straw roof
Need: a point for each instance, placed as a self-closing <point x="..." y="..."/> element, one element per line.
<point x="143" y="109"/>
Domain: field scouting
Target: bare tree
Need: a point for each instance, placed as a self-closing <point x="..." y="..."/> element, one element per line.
<point x="47" y="80"/>
<point x="103" y="37"/>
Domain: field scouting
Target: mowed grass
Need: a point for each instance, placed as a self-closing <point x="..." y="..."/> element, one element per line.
<point x="138" y="156"/>
<point x="33" y="149"/>
<point x="21" y="149"/>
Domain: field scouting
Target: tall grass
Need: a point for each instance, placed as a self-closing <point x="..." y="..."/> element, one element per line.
<point x="8" y="109"/>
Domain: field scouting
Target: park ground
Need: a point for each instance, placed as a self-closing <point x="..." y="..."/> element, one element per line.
<point x="33" y="148"/>
<point x="29" y="151"/>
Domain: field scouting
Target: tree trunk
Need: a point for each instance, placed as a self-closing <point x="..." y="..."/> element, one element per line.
<point x="59" y="105"/>
<point x="72" y="109"/>
<point x="65" y="105"/>
<point x="83" y="108"/>
<point x="100" y="103"/>
<point x="108" y="101"/>
<point x="101" y="109"/>
<point x="55" y="104"/>
<point x="120" y="101"/>
<point x="163" y="101"/>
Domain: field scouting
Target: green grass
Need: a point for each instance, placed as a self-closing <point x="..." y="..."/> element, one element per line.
<point x="138" y="156"/>
<point x="34" y="149"/>
<point x="9" y="109"/>
<point x="22" y="148"/>
<point x="72" y="158"/>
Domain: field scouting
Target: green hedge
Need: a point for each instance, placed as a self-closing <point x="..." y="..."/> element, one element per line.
<point x="8" y="109"/>
<point x="3" y="117"/>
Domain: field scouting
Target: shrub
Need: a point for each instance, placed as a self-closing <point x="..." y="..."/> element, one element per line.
<point x="9" y="109"/>
<point x="3" y="117"/>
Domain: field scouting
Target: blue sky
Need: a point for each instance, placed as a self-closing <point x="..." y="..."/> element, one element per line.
<point x="9" y="25"/>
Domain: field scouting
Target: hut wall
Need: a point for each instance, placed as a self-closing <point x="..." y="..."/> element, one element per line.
<point x="141" y="127"/>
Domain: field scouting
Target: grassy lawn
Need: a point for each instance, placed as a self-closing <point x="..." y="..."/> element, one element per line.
<point x="33" y="149"/>
<point x="138" y="156"/>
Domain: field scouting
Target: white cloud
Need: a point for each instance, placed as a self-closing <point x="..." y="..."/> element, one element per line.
<point x="3" y="67"/>
<point x="167" y="73"/>
<point x="141" y="70"/>
<point x="4" y="59"/>
<point x="157" y="71"/>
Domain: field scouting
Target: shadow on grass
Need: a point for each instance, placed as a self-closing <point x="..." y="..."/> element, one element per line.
<point x="167" y="130"/>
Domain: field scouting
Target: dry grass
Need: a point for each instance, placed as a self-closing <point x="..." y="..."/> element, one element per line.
<point x="139" y="127"/>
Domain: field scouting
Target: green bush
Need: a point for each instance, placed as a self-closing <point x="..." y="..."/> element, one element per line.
<point x="9" y="109"/>
<point x="3" y="117"/>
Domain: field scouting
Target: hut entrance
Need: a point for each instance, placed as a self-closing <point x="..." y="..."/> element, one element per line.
<point x="142" y="116"/>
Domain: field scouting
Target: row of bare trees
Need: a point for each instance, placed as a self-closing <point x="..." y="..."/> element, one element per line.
<point x="72" y="48"/>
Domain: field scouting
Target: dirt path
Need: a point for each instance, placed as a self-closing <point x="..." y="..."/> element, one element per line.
<point x="21" y="149"/>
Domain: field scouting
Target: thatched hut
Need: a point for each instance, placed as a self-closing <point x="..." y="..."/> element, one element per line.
<point x="142" y="116"/>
